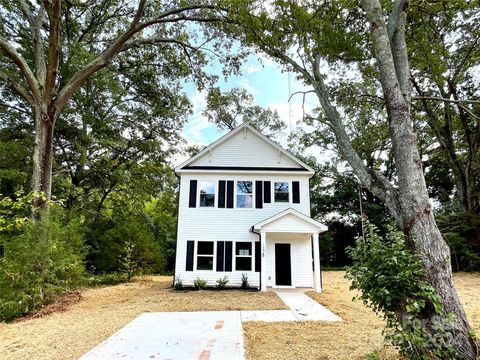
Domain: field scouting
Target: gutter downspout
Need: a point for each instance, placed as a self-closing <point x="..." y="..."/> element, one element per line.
<point x="260" y="272"/>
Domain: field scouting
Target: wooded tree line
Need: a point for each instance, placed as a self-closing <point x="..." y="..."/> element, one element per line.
<point x="93" y="105"/>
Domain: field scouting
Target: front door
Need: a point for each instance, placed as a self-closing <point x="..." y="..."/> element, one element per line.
<point x="283" y="267"/>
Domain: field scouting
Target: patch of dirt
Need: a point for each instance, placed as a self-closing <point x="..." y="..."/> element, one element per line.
<point x="63" y="303"/>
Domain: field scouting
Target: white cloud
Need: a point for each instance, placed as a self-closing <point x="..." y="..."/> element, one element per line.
<point x="245" y="83"/>
<point x="253" y="68"/>
<point x="194" y="130"/>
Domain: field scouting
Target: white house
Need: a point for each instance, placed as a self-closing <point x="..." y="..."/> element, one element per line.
<point x="244" y="208"/>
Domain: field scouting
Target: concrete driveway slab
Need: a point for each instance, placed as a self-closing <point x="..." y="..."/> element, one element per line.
<point x="208" y="335"/>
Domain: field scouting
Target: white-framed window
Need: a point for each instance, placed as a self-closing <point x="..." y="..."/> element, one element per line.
<point x="281" y="191"/>
<point x="243" y="256"/>
<point x="207" y="193"/>
<point x="244" y="194"/>
<point x="205" y="255"/>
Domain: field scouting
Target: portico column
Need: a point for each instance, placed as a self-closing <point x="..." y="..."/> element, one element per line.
<point x="316" y="263"/>
<point x="263" y="252"/>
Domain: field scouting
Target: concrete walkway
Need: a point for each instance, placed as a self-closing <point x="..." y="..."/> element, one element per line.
<point x="305" y="308"/>
<point x="203" y="335"/>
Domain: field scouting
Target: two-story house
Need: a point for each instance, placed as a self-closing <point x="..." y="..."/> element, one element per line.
<point x="244" y="208"/>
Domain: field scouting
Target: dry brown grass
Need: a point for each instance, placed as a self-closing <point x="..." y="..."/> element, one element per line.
<point x="357" y="335"/>
<point x="103" y="311"/>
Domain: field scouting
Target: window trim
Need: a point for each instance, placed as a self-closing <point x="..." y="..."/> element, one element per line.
<point x="289" y="192"/>
<point x="196" y="255"/>
<point x="235" y="204"/>
<point x="216" y="194"/>
<point x="251" y="256"/>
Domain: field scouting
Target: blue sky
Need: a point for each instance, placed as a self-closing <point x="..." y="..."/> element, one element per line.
<point x="269" y="86"/>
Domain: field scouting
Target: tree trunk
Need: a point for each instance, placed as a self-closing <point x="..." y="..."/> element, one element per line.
<point x="424" y="236"/>
<point x="414" y="209"/>
<point x="43" y="156"/>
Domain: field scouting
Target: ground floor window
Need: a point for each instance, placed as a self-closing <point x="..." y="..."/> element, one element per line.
<point x="205" y="255"/>
<point x="243" y="256"/>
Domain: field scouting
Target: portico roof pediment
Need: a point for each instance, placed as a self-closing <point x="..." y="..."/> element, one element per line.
<point x="290" y="221"/>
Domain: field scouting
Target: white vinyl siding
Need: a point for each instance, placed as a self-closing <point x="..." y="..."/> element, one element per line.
<point x="301" y="258"/>
<point x="223" y="224"/>
<point x="245" y="149"/>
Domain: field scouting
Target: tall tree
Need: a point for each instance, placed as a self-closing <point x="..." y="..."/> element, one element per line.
<point x="444" y="48"/>
<point x="230" y="108"/>
<point x="303" y="35"/>
<point x="49" y="49"/>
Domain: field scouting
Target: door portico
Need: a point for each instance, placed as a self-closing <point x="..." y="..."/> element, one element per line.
<point x="302" y="233"/>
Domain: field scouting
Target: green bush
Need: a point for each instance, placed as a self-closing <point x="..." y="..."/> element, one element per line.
<point x="178" y="283"/>
<point x="460" y="232"/>
<point x="124" y="245"/>
<point x="222" y="282"/>
<point x="43" y="261"/>
<point x="390" y="279"/>
<point x="200" y="284"/>
<point x="108" y="279"/>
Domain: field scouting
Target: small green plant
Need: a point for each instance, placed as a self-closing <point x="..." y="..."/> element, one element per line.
<point x="245" y="285"/>
<point x="178" y="283"/>
<point x="371" y="356"/>
<point x="222" y="282"/>
<point x="129" y="265"/>
<point x="200" y="284"/>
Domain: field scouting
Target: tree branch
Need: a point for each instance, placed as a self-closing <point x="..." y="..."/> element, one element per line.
<point x="135" y="26"/>
<point x="19" y="89"/>
<point x="455" y="101"/>
<point x="398" y="45"/>
<point x="154" y="41"/>
<point x="21" y="63"/>
<point x="54" y="11"/>
<point x="99" y="62"/>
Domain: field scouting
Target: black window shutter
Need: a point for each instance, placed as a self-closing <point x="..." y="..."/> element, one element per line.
<point x="258" y="257"/>
<point x="192" y="202"/>
<point x="228" y="255"/>
<point x="258" y="195"/>
<point x="267" y="192"/>
<point x="221" y="194"/>
<point x="220" y="255"/>
<point x="296" y="192"/>
<point x="230" y="194"/>
<point x="190" y="252"/>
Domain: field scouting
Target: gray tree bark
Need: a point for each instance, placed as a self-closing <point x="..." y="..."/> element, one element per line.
<point x="415" y="212"/>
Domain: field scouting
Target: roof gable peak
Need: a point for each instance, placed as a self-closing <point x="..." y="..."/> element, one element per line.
<point x="263" y="143"/>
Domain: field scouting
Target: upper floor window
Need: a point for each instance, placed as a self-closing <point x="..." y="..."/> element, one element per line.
<point x="281" y="191"/>
<point x="207" y="194"/>
<point x="244" y="194"/>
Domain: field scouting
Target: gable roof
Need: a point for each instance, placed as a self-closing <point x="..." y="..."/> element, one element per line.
<point x="187" y="165"/>
<point x="293" y="214"/>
